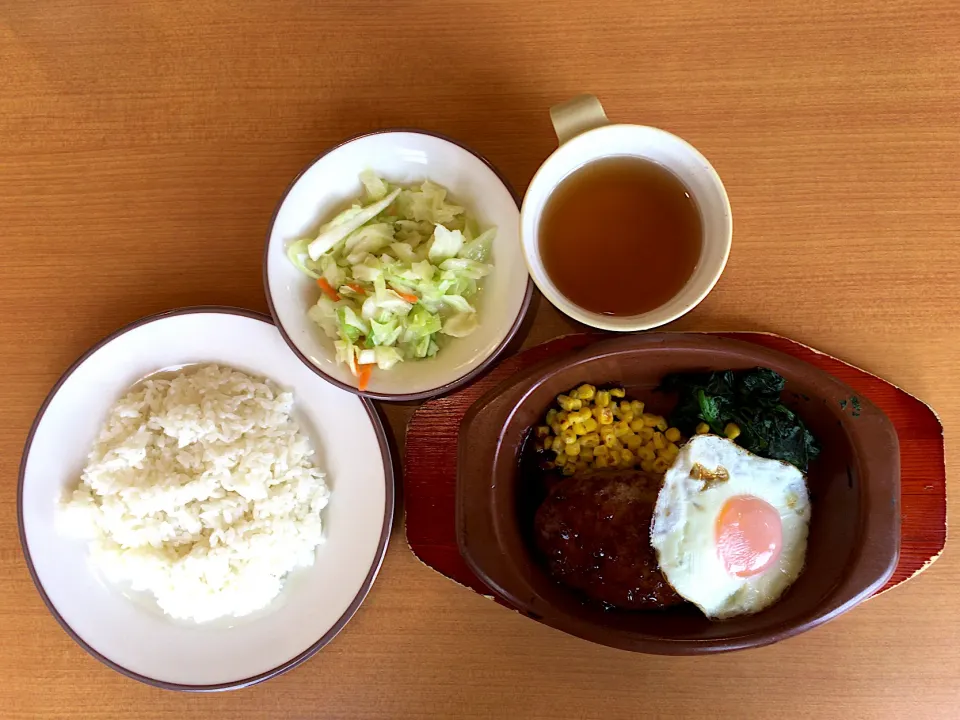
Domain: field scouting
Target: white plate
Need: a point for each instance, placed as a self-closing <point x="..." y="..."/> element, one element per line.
<point x="132" y="635"/>
<point x="405" y="157"/>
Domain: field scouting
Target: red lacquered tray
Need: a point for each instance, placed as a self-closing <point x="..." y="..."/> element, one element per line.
<point x="430" y="459"/>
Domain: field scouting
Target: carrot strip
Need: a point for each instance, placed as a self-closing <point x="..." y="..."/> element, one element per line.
<point x="364" y="376"/>
<point x="407" y="296"/>
<point x="327" y="289"/>
<point x="356" y="288"/>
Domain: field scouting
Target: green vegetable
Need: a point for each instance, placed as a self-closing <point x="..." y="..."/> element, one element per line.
<point x="376" y="188"/>
<point x="404" y="270"/>
<point x="345" y="223"/>
<point x="446" y="244"/>
<point x="297" y="252"/>
<point x="479" y="249"/>
<point x="751" y="400"/>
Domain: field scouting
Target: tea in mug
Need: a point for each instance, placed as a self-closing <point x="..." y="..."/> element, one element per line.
<point x="620" y="236"/>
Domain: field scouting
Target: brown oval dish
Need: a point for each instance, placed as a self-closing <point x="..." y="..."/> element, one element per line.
<point x="854" y="538"/>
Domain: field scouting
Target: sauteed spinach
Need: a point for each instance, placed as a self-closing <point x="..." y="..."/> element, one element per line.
<point x="751" y="400"/>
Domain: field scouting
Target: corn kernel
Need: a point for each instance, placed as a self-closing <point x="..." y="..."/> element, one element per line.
<point x="596" y="412"/>
<point x="586" y="453"/>
<point x="660" y="466"/>
<point x="555" y="426"/>
<point x="650" y="420"/>
<point x="703" y="429"/>
<point x="611" y="441"/>
<point x="672" y="449"/>
<point x="569" y="470"/>
<point x="732" y="431"/>
<point x="573" y="394"/>
<point x="632" y="441"/>
<point x="590" y="440"/>
<point x="573" y="449"/>
<point x="621" y="428"/>
<point x="637" y="425"/>
<point x="543" y="431"/>
<point x="551" y="416"/>
<point x="546" y="443"/>
<point x="569" y="436"/>
<point x="603" y="398"/>
<point x="646" y="433"/>
<point x="586" y="392"/>
<point x="626" y="457"/>
<point x="558" y="444"/>
<point x="672" y="434"/>
<point x="590" y="424"/>
<point x="606" y="416"/>
<point x="647" y="465"/>
<point x="601" y="452"/>
<point x="607" y="431"/>
<point x="618" y="392"/>
<point x="658" y="441"/>
<point x="664" y="455"/>
<point x="626" y="415"/>
<point x="637" y="407"/>
<point x="585" y="415"/>
<point x="662" y="425"/>
<point x="578" y="428"/>
<point x="646" y="453"/>
<point x="614" y="457"/>
<point x="601" y="462"/>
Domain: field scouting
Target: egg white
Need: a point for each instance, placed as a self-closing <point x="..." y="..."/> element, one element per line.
<point x="684" y="521"/>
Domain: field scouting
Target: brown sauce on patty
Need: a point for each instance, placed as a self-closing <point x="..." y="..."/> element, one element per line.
<point x="594" y="532"/>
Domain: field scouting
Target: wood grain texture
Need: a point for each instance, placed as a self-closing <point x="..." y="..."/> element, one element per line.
<point x="144" y="144"/>
<point x="431" y="457"/>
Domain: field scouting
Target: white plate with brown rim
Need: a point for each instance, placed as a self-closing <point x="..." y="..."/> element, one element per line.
<point x="130" y="633"/>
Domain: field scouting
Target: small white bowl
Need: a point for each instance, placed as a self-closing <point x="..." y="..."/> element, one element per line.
<point x="405" y="157"/>
<point x="585" y="136"/>
<point x="131" y="634"/>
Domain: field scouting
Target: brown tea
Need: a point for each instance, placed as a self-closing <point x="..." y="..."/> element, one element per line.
<point x="620" y="236"/>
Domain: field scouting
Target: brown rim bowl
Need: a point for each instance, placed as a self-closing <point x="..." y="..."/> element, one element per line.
<point x="854" y="539"/>
<point x="331" y="183"/>
<point x="44" y="548"/>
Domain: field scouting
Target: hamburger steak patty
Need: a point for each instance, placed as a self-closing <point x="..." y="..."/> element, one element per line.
<point x="594" y="530"/>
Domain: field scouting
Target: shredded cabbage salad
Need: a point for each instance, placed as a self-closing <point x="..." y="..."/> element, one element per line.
<point x="398" y="271"/>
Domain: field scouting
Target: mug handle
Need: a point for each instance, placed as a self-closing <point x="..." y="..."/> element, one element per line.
<point x="576" y="116"/>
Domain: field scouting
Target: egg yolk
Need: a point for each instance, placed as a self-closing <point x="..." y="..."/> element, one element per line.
<point x="749" y="535"/>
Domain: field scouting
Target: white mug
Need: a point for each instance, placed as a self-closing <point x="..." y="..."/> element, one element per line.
<point x="586" y="135"/>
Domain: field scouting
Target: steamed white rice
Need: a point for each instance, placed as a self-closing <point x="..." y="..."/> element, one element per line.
<point x="201" y="490"/>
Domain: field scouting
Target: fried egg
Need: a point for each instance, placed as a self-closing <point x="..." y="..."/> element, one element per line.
<point x="729" y="527"/>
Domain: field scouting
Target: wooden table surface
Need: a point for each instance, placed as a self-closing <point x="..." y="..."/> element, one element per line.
<point x="143" y="146"/>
